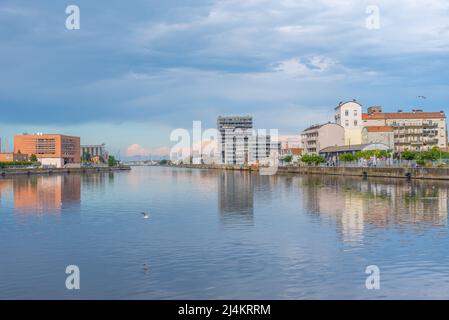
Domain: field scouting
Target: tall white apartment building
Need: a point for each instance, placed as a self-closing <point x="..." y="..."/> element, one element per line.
<point x="349" y="116"/>
<point x="240" y="144"/>
<point x="234" y="135"/>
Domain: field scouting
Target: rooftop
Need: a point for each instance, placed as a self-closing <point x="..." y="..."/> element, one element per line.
<point x="317" y="126"/>
<point x="352" y="148"/>
<point x="379" y="129"/>
<point x="403" y="115"/>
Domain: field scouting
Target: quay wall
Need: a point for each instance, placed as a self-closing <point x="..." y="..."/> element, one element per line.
<point x="4" y="172"/>
<point x="386" y="172"/>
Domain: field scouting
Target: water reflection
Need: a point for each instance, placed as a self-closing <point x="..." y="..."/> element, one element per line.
<point x="46" y="194"/>
<point x="42" y="194"/>
<point x="236" y="197"/>
<point x="357" y="204"/>
<point x="313" y="237"/>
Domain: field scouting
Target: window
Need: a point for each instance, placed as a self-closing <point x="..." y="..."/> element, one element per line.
<point x="347" y="123"/>
<point x="355" y="113"/>
<point x="346" y="113"/>
<point x="355" y="123"/>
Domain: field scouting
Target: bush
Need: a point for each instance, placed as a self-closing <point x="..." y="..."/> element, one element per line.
<point x="288" y="158"/>
<point x="312" y="159"/>
<point x="409" y="155"/>
<point x="16" y="163"/>
<point x="421" y="162"/>
<point x="425" y="156"/>
<point x="368" y="154"/>
<point x="348" y="157"/>
<point x="112" y="162"/>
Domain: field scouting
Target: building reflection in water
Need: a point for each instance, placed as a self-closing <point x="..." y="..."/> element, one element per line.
<point x="357" y="204"/>
<point x="46" y="194"/>
<point x="236" y="197"/>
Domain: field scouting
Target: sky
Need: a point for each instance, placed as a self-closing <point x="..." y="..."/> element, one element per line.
<point x="135" y="71"/>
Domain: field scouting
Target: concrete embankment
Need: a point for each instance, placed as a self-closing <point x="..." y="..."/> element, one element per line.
<point x="24" y="171"/>
<point x="393" y="172"/>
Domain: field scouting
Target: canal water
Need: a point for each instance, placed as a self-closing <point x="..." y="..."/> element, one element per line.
<point x="222" y="235"/>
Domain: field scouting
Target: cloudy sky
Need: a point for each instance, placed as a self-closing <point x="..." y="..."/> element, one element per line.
<point x="137" y="70"/>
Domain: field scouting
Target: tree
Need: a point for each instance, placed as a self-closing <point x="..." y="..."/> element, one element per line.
<point x="112" y="162"/>
<point x="33" y="158"/>
<point x="288" y="158"/>
<point x="86" y="157"/>
<point x="348" y="157"/>
<point x="368" y="154"/>
<point x="408" y="155"/>
<point x="312" y="159"/>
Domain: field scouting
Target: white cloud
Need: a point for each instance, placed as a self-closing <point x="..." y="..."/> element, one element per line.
<point x="292" y="67"/>
<point x="137" y="150"/>
<point x="305" y="67"/>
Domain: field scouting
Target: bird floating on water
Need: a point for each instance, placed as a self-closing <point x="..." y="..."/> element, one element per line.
<point x="145" y="215"/>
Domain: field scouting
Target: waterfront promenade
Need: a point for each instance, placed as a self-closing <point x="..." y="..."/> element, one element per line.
<point x="34" y="171"/>
<point x="380" y="172"/>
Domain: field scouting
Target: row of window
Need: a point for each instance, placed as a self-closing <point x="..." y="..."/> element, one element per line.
<point x="347" y="113"/>
<point x="347" y="123"/>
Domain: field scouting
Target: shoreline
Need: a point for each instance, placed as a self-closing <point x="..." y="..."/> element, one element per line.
<point x="8" y="172"/>
<point x="364" y="172"/>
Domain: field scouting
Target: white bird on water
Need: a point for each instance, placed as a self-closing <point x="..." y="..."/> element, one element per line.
<point x="145" y="215"/>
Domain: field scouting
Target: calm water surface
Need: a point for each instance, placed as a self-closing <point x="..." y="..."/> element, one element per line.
<point x="221" y="235"/>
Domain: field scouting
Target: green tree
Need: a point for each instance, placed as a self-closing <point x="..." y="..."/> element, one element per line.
<point x="409" y="155"/>
<point x="112" y="162"/>
<point x="33" y="158"/>
<point x="86" y="157"/>
<point x="368" y="154"/>
<point x="288" y="158"/>
<point x="348" y="157"/>
<point x="312" y="159"/>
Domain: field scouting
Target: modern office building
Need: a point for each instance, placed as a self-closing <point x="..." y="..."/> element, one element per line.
<point x="234" y="133"/>
<point x="416" y="130"/>
<point x="95" y="153"/>
<point x="95" y="150"/>
<point x="50" y="149"/>
<point x="261" y="149"/>
<point x="321" y="136"/>
<point x="240" y="144"/>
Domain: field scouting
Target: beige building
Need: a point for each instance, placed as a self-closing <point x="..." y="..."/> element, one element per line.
<point x="349" y="116"/>
<point x="378" y="134"/>
<point x="12" y="157"/>
<point x="318" y="137"/>
<point x="416" y="130"/>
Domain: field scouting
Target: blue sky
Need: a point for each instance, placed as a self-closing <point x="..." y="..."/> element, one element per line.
<point x="137" y="70"/>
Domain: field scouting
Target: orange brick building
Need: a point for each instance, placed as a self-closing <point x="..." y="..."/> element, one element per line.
<point x="50" y="149"/>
